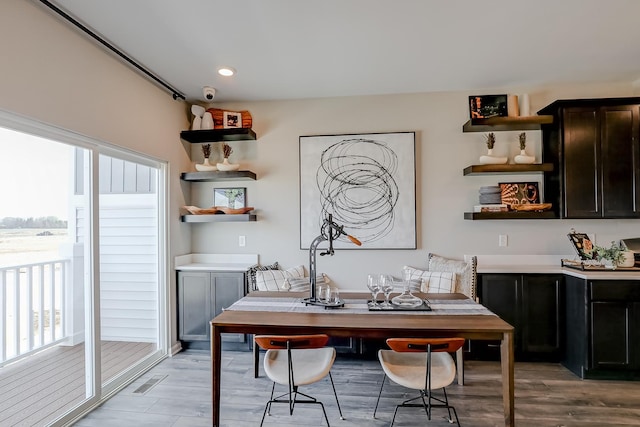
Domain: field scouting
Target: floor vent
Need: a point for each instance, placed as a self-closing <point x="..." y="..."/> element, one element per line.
<point x="150" y="383"/>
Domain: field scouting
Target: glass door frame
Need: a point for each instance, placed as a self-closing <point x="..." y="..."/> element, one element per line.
<point x="99" y="392"/>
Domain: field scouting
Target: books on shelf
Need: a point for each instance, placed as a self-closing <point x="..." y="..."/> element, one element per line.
<point x="491" y="208"/>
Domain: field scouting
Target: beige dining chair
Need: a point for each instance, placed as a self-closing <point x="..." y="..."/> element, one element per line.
<point x="422" y="364"/>
<point x="294" y="361"/>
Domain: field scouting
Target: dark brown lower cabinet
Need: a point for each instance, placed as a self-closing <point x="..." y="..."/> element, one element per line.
<point x="603" y="328"/>
<point x="529" y="302"/>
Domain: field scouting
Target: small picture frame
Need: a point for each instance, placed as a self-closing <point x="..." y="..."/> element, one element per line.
<point x="234" y="198"/>
<point x="231" y="119"/>
<point x="486" y="106"/>
<point x="519" y="193"/>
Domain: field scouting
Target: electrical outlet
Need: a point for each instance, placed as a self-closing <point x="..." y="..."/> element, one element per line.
<point x="241" y="241"/>
<point x="502" y="240"/>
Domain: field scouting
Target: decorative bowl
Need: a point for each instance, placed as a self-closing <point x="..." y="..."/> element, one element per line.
<point x="205" y="168"/>
<point x="226" y="167"/>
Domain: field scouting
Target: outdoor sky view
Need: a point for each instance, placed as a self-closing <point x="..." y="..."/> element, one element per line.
<point x="34" y="176"/>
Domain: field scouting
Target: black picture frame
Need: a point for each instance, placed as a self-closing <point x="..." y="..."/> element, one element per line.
<point x="582" y="244"/>
<point x="231" y="197"/>
<point x="380" y="211"/>
<point x="487" y="106"/>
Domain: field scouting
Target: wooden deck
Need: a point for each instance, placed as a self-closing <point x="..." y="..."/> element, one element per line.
<point x="42" y="387"/>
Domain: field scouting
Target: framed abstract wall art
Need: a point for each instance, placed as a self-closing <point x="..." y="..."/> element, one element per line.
<point x="366" y="181"/>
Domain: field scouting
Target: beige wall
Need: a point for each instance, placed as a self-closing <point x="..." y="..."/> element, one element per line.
<point x="443" y="193"/>
<point x="52" y="74"/>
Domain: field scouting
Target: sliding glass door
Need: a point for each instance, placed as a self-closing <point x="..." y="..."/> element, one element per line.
<point x="45" y="346"/>
<point x="129" y="270"/>
<point x="82" y="256"/>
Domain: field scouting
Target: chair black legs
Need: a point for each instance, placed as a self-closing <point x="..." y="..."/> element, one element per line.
<point x="426" y="404"/>
<point x="292" y="399"/>
<point x="336" y="395"/>
<point x="384" y="377"/>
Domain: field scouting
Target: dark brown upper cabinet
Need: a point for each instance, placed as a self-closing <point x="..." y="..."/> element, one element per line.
<point x="594" y="145"/>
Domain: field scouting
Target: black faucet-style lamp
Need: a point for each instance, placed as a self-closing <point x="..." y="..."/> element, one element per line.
<point x="328" y="231"/>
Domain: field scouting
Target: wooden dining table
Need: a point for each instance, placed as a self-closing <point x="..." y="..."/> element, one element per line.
<point x="368" y="324"/>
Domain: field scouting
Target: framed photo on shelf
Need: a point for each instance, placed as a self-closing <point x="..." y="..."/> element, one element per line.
<point x="231" y="119"/>
<point x="519" y="193"/>
<point x="486" y="106"/>
<point x="234" y="198"/>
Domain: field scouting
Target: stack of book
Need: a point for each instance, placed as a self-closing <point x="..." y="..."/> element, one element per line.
<point x="491" y="208"/>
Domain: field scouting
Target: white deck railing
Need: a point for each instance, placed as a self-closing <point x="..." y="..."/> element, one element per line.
<point x="32" y="307"/>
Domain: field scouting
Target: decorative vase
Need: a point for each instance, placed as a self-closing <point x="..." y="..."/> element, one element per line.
<point x="197" y="123"/>
<point x="627" y="260"/>
<point x="512" y="106"/>
<point x="523" y="159"/>
<point x="205" y="166"/>
<point x="490" y="159"/>
<point x="207" y="121"/>
<point x="197" y="112"/>
<point x="525" y="110"/>
<point x="226" y="166"/>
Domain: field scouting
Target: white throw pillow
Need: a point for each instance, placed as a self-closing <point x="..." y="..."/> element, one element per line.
<point x="273" y="280"/>
<point x="465" y="272"/>
<point x="436" y="282"/>
<point x="302" y="284"/>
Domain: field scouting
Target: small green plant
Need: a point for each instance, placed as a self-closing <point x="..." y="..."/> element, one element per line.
<point x="491" y="140"/>
<point x="613" y="253"/>
<point x="523" y="140"/>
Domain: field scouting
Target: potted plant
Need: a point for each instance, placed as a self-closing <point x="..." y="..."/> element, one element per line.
<point x="490" y="158"/>
<point x="205" y="166"/>
<point x="225" y="165"/>
<point x="522" y="158"/>
<point x="613" y="255"/>
<point x="491" y="141"/>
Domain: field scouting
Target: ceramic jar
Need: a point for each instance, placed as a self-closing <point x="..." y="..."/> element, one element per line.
<point x="490" y="159"/>
<point x="226" y="166"/>
<point x="523" y="159"/>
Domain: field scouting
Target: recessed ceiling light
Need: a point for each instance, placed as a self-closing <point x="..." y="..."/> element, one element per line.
<point x="226" y="71"/>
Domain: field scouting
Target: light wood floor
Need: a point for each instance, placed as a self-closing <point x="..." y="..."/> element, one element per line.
<point x="546" y="395"/>
<point x="47" y="384"/>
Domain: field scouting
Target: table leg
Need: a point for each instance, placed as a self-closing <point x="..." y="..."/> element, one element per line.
<point x="216" y="356"/>
<point x="256" y="358"/>
<point x="506" y="362"/>
<point x="460" y="366"/>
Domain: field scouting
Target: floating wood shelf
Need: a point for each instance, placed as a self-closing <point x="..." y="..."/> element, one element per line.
<point x="218" y="218"/>
<point x="214" y="135"/>
<point x="510" y="215"/>
<point x="495" y="124"/>
<point x="218" y="176"/>
<point x="507" y="169"/>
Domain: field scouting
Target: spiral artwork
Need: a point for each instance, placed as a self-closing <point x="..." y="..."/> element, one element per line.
<point x="356" y="184"/>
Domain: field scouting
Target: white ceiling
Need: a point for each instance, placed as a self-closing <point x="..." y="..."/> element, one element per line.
<point x="286" y="49"/>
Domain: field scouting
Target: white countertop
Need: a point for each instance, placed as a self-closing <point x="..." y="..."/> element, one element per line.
<point x="215" y="262"/>
<point x="545" y="264"/>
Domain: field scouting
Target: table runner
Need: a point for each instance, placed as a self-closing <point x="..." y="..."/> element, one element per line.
<point x="354" y="306"/>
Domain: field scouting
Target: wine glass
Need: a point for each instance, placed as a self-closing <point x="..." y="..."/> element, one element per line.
<point x="386" y="285"/>
<point x="374" y="286"/>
